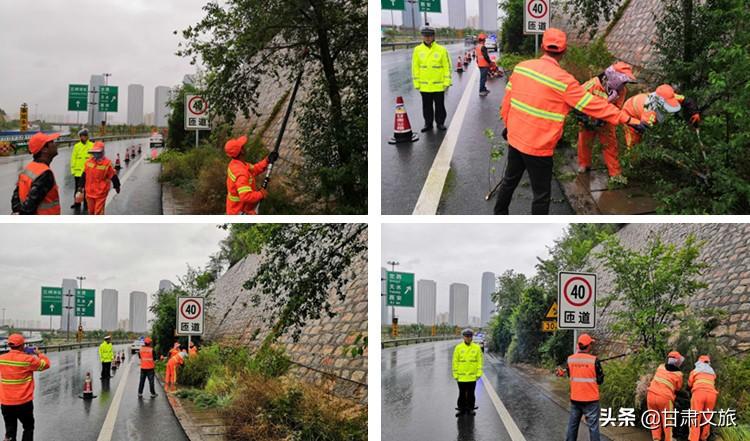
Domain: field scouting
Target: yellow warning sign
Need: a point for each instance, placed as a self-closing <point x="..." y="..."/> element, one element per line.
<point x="549" y="326"/>
<point x="552" y="312"/>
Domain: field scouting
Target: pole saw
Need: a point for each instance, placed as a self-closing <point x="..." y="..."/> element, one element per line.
<point x="282" y="129"/>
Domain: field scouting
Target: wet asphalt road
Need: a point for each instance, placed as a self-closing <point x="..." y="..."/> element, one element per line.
<point x="62" y="416"/>
<point x="419" y="397"/>
<point x="141" y="191"/>
<point x="404" y="167"/>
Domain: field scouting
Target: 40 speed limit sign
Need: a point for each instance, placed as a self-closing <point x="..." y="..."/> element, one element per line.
<point x="536" y="16"/>
<point x="576" y="300"/>
<point x="190" y="312"/>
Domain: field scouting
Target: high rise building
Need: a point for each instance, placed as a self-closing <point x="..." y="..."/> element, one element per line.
<point x="488" y="15"/>
<point x="135" y="104"/>
<point x="137" y="320"/>
<point x="161" y="110"/>
<point x="95" y="116"/>
<point x="458" y="308"/>
<point x="166" y="285"/>
<point x="426" y="302"/>
<point x="411" y="17"/>
<point x="69" y="286"/>
<point x="457" y="14"/>
<point x="488" y="288"/>
<point x="109" y="309"/>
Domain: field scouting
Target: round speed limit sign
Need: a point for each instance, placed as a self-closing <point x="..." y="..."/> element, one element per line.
<point x="537" y="9"/>
<point x="191" y="309"/>
<point x="576" y="299"/>
<point x="578" y="291"/>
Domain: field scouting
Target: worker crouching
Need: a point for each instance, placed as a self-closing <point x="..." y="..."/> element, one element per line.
<point x="243" y="194"/>
<point x="662" y="392"/>
<point x="99" y="176"/>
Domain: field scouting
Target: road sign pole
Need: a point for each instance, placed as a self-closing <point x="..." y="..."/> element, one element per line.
<point x="196" y="138"/>
<point x="536" y="45"/>
<point x="575" y="340"/>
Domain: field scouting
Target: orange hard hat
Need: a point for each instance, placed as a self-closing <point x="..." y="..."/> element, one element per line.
<point x="39" y="140"/>
<point x="666" y="92"/>
<point x="624" y="68"/>
<point x="704" y="359"/>
<point x="16" y="340"/>
<point x="554" y="40"/>
<point x="481" y="37"/>
<point x="233" y="147"/>
<point x="147" y="340"/>
<point x="585" y="340"/>
<point x="97" y="148"/>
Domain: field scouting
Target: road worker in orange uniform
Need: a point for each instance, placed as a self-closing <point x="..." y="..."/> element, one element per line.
<point x="651" y="108"/>
<point x="586" y="374"/>
<point x="17" y="368"/>
<point x="146" y="354"/>
<point x="662" y="392"/>
<point x="483" y="62"/>
<point x="170" y="377"/>
<point x="175" y="349"/>
<point x="36" y="191"/>
<point x="193" y="352"/>
<point x="538" y="96"/>
<point x="610" y="85"/>
<point x="99" y="176"/>
<point x="243" y="193"/>
<point x="702" y="385"/>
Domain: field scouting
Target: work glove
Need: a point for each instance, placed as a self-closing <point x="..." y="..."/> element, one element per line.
<point x="263" y="193"/>
<point x="640" y="127"/>
<point x="273" y="156"/>
<point x="505" y="134"/>
<point x="695" y="120"/>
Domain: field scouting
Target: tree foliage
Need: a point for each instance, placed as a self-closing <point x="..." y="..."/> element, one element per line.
<point x="511" y="31"/>
<point x="652" y="286"/>
<point x="245" y="43"/>
<point x="303" y="267"/>
<point x="178" y="138"/>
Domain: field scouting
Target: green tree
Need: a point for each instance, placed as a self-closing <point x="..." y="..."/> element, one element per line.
<point x="652" y="286"/>
<point x="178" y="138"/>
<point x="510" y="288"/>
<point x="245" y="239"/>
<point x="243" y="43"/>
<point x="511" y="31"/>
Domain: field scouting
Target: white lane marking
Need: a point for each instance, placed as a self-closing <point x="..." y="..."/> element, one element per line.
<point x="131" y="170"/>
<point x="429" y="198"/>
<point x="108" y="427"/>
<point x="510" y="425"/>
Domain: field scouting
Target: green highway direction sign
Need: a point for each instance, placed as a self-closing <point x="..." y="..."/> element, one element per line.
<point x="78" y="96"/>
<point x="399" y="288"/>
<point x="108" y="98"/>
<point x="395" y="5"/>
<point x="51" y="300"/>
<point x="85" y="302"/>
<point x="429" y="5"/>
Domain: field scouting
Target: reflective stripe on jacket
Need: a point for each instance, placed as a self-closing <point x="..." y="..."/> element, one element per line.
<point x="242" y="193"/>
<point x="467" y="362"/>
<point x="147" y="357"/>
<point x="431" y="68"/>
<point x="582" y="370"/>
<point x="50" y="205"/>
<point x="106" y="354"/>
<point x="702" y="381"/>
<point x="79" y="156"/>
<point x="538" y="97"/>
<point x="666" y="383"/>
<point x="99" y="178"/>
<point x="17" y="376"/>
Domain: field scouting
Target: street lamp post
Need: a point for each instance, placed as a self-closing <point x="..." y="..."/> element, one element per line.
<point x="106" y="76"/>
<point x="67" y="316"/>
<point x="394" y="320"/>
<point x="80" y="286"/>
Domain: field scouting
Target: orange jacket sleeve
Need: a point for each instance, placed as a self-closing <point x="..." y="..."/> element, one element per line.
<point x="246" y="192"/>
<point x="691" y="379"/>
<point x="578" y="98"/>
<point x="505" y="108"/>
<point x="259" y="167"/>
<point x="40" y="363"/>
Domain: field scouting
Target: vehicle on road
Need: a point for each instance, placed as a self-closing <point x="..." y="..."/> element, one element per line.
<point x="136" y="346"/>
<point x="491" y="43"/>
<point x="156" y="140"/>
<point x="479" y="339"/>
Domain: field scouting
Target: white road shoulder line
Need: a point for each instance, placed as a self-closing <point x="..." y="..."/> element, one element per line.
<point x="510" y="425"/>
<point x="125" y="177"/>
<point x="429" y="198"/>
<point x="108" y="427"/>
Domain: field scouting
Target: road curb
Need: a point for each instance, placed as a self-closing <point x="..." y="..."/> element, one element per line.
<point x="193" y="429"/>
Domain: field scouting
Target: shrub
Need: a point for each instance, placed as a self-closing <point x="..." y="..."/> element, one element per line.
<point x="270" y="362"/>
<point x="621" y="378"/>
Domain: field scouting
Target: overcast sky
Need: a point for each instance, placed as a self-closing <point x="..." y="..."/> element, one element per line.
<point x="437" y="20"/>
<point x="125" y="257"/>
<point x="48" y="44"/>
<point x="460" y="253"/>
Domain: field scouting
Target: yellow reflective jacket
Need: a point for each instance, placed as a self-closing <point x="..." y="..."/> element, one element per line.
<point x="106" y="354"/>
<point x="431" y="68"/>
<point x="79" y="156"/>
<point x="467" y="362"/>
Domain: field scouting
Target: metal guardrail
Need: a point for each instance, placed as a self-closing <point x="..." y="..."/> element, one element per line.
<point x="69" y="346"/>
<point x="415" y="340"/>
<point x="408" y="44"/>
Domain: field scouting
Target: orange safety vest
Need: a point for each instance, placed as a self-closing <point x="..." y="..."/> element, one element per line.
<point x="240" y="198"/>
<point x="702" y="381"/>
<point x="666" y="383"/>
<point x="147" y="357"/>
<point x="582" y="369"/>
<point x="538" y="97"/>
<point x="98" y="177"/>
<point x="481" y="62"/>
<point x="51" y="202"/>
<point x="635" y="106"/>
<point x="192" y="352"/>
<point x="17" y="376"/>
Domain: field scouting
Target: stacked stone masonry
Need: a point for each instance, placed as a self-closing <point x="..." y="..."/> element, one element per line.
<point x="726" y="251"/>
<point x="318" y="355"/>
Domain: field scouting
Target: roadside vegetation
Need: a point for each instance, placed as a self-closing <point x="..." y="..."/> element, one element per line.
<point x="651" y="288"/>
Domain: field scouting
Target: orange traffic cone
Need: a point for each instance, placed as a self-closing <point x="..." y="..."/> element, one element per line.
<point x="459" y="65"/>
<point x="88" y="391"/>
<point x="402" y="128"/>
